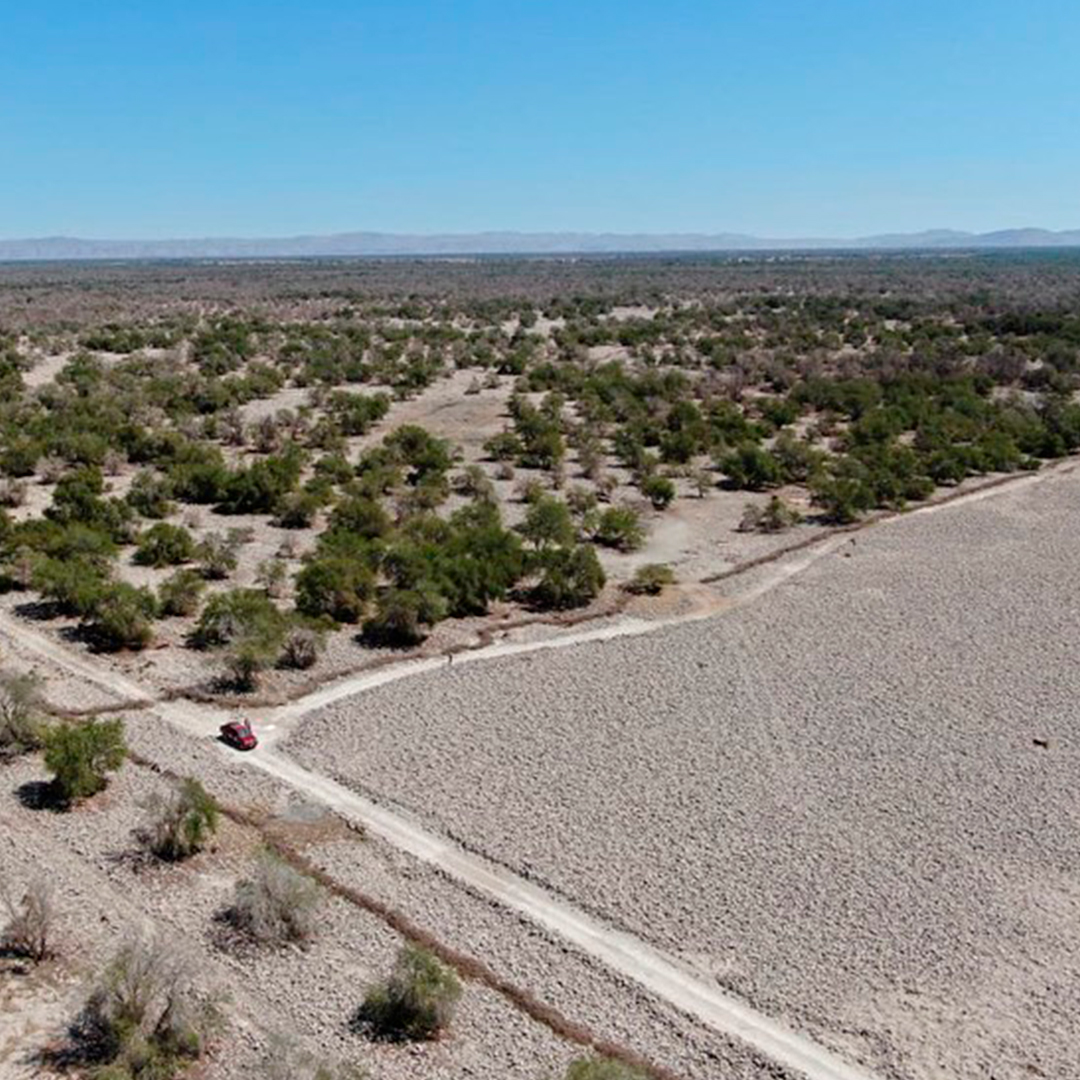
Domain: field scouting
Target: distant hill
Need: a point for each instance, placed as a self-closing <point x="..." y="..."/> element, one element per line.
<point x="507" y="243"/>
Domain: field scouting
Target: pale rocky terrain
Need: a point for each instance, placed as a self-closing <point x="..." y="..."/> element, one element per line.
<point x="832" y="798"/>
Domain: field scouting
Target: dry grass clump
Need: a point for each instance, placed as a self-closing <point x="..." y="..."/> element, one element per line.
<point x="21" y="725"/>
<point x="31" y="920"/>
<point x="277" y="904"/>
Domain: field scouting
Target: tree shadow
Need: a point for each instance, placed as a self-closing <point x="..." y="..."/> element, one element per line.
<point x="39" y="610"/>
<point x="89" y="1040"/>
<point x="41" y="795"/>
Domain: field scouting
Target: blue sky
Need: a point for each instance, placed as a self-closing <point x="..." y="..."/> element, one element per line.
<point x="783" y="118"/>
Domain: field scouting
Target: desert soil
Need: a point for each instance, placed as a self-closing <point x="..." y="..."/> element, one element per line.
<point x="831" y="799"/>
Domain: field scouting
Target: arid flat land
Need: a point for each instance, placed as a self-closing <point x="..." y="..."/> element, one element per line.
<point x="831" y="798"/>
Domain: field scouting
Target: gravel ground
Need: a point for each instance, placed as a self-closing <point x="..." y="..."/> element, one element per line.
<point x="832" y="798"/>
<point x="103" y="888"/>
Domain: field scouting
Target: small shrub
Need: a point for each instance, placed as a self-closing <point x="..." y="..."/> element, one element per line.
<point x="659" y="490"/>
<point x="216" y="556"/>
<point x="416" y="1002"/>
<point x="277" y="904"/>
<point x="602" y="1068"/>
<point x="619" y="527"/>
<point x="775" y="516"/>
<point x="302" y="647"/>
<point x="272" y="574"/>
<point x="20" y="714"/>
<point x="80" y="757"/>
<point x="650" y="580"/>
<point x="180" y="593"/>
<point x="164" y="545"/>
<point x="285" y="1060"/>
<point x="29" y="927"/>
<point x="182" y="821"/>
<point x="145" y="1019"/>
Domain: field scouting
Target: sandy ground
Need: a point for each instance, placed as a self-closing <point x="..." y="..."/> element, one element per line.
<point x="831" y="799"/>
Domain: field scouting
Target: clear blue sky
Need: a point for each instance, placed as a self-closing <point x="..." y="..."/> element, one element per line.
<point x="153" y="118"/>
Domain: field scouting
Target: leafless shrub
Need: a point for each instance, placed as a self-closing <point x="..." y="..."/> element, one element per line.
<point x="289" y="548"/>
<point x="20" y="713"/>
<point x="145" y="1017"/>
<point x="113" y="462"/>
<point x="285" y="1060"/>
<point x="31" y="920"/>
<point x="272" y="575"/>
<point x="12" y="492"/>
<point x="301" y="648"/>
<point x="51" y="468"/>
<point x="605" y="484"/>
<point x="277" y="904"/>
<point x="266" y="435"/>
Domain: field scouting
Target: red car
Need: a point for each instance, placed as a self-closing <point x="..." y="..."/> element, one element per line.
<point x="238" y="733"/>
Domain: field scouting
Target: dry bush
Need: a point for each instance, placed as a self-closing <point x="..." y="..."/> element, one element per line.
<point x="21" y="722"/>
<point x="180" y="822"/>
<point x="51" y="468"/>
<point x="31" y="920"/>
<point x="12" y="492"/>
<point x="285" y="1060"/>
<point x="277" y="904"/>
<point x="302" y="647"/>
<point x="145" y="1019"/>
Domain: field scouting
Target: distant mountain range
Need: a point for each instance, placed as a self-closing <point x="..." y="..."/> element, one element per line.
<point x="510" y="243"/>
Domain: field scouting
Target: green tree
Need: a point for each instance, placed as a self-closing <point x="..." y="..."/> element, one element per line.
<point x="570" y="577"/>
<point x="548" y="524"/>
<point x="751" y="468"/>
<point x="122" y="617"/>
<point x="336" y="585"/>
<point x="80" y="757"/>
<point x="401" y="616"/>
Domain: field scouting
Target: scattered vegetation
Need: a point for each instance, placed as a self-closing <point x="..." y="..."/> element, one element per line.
<point x="602" y="1068"/>
<point x="145" y="1019"/>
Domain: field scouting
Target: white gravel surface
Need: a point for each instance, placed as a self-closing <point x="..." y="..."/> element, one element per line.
<point x="830" y="798"/>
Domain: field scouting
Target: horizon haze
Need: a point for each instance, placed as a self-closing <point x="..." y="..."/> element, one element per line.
<point x="376" y="244"/>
